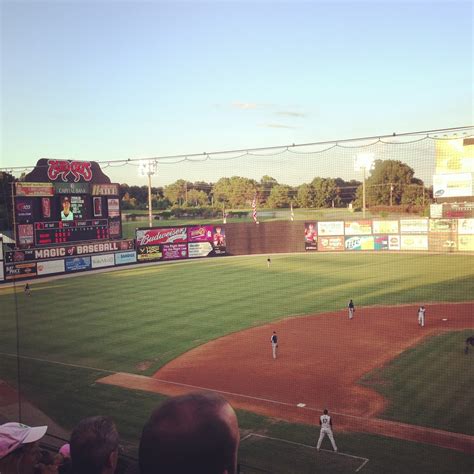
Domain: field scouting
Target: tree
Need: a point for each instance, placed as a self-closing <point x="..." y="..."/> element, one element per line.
<point x="305" y="195"/>
<point x="279" y="196"/>
<point x="325" y="192"/>
<point x="177" y="192"/>
<point x="235" y="192"/>
<point x="267" y="183"/>
<point x="197" y="198"/>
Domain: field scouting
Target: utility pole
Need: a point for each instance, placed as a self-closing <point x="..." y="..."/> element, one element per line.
<point x="391" y="193"/>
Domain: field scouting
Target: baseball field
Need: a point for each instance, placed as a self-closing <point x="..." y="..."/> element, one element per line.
<point x="401" y="396"/>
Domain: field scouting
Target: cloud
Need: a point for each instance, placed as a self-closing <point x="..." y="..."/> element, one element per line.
<point x="244" y="105"/>
<point x="290" y="113"/>
<point x="276" y="125"/>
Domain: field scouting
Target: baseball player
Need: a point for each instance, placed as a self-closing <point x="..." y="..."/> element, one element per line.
<point x="326" y="429"/>
<point x="351" y="309"/>
<point x="269" y="262"/>
<point x="469" y="340"/>
<point x="421" y="316"/>
<point x="27" y="289"/>
<point x="274" y="340"/>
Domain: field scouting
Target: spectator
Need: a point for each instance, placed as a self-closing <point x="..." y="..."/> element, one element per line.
<point x="94" y="446"/>
<point x="19" y="450"/>
<point x="196" y="433"/>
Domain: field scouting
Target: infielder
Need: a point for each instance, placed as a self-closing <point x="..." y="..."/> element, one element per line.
<point x="326" y="429"/>
<point x="421" y="316"/>
<point x="351" y="309"/>
<point x="274" y="340"/>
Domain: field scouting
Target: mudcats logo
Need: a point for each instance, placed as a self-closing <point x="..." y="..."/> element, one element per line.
<point x="61" y="169"/>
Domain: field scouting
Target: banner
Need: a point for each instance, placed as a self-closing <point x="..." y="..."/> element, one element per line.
<point x="72" y="188"/>
<point x="438" y="242"/>
<point x="159" y="235"/>
<point x="199" y="249"/>
<point x="46" y="208"/>
<point x="466" y="243"/>
<point x="454" y="156"/>
<point x="34" y="189"/>
<point x="310" y="236"/>
<point x="394" y="242"/>
<point x="466" y="226"/>
<point x="462" y="210"/>
<point x="413" y="226"/>
<point x="414" y="242"/>
<point x="149" y="253"/>
<point x="330" y="244"/>
<point x="381" y="242"/>
<point x="201" y="233"/>
<point x="78" y="263"/>
<point x="97" y="206"/>
<point x="25" y="234"/>
<point x="24" y="210"/>
<point x="385" y="227"/>
<point x="361" y="242"/>
<point x="331" y="228"/>
<point x="358" y="227"/>
<point x="443" y="225"/>
<point x="20" y="270"/>
<point x="105" y="190"/>
<point x="50" y="266"/>
<point x="121" y="258"/>
<point x="452" y="185"/>
<point x="175" y="251"/>
<point x="105" y="260"/>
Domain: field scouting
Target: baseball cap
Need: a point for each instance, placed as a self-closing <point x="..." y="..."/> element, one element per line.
<point x="14" y="435"/>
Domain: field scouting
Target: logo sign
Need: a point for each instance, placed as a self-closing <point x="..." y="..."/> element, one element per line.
<point x="72" y="188"/>
<point x="202" y="233"/>
<point x="122" y="258"/>
<point x="60" y="169"/>
<point x="49" y="267"/>
<point x="114" y="207"/>
<point x="199" y="249"/>
<point x="99" y="261"/>
<point x="310" y="236"/>
<point x="466" y="243"/>
<point x="364" y="242"/>
<point x="330" y="244"/>
<point x="34" y="189"/>
<point x="175" y="251"/>
<point x="24" y="209"/>
<point x="443" y="225"/>
<point x="394" y="242"/>
<point x="414" y="242"/>
<point x="149" y="253"/>
<point x="385" y="227"/>
<point x="78" y="263"/>
<point x="466" y="226"/>
<point x="413" y="226"/>
<point x="381" y="242"/>
<point x="105" y="190"/>
<point x="452" y="185"/>
<point x="25" y="234"/>
<point x="358" y="227"/>
<point x="20" y="270"/>
<point x="159" y="235"/>
<point x="331" y="228"/>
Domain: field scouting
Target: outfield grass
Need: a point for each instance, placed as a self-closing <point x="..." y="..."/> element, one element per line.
<point x="114" y="321"/>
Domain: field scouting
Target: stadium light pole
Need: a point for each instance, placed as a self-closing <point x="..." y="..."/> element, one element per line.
<point x="148" y="168"/>
<point x="364" y="162"/>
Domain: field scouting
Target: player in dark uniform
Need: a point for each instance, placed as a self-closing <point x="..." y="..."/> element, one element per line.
<point x="27" y="289"/>
<point x="469" y="341"/>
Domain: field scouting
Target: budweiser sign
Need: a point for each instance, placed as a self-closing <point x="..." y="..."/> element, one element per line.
<point x="62" y="168"/>
<point x="161" y="236"/>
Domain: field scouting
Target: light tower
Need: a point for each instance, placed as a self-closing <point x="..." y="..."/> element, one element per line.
<point x="148" y="168"/>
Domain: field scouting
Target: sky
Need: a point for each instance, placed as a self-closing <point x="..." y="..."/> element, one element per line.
<point x="114" y="80"/>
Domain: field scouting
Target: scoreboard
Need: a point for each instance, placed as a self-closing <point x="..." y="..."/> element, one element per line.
<point x="47" y="233"/>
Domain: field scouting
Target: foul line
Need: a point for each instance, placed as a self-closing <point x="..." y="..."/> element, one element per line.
<point x="365" y="460"/>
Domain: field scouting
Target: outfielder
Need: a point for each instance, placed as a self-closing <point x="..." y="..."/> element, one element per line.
<point x="421" y="316"/>
<point x="274" y="340"/>
<point x="326" y="429"/>
<point x="351" y="309"/>
<point x="469" y="340"/>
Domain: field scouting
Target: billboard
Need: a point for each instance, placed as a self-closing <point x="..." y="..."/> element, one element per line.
<point x="466" y="243"/>
<point x="381" y="242"/>
<point x="413" y="226"/>
<point x="50" y="266"/>
<point x="454" y="156"/>
<point x="385" y="227"/>
<point x="20" y="270"/>
<point x="452" y="185"/>
<point x="394" y="242"/>
<point x="121" y="258"/>
<point x="360" y="242"/>
<point x="310" y="236"/>
<point x="160" y="235"/>
<point x="414" y="242"/>
<point x="466" y="226"/>
<point x="438" y="242"/>
<point x="358" y="227"/>
<point x="149" y="253"/>
<point x="443" y="225"/>
<point x="175" y="251"/>
<point x="78" y="263"/>
<point x="331" y="244"/>
<point x="104" y="260"/>
<point x="34" y="189"/>
<point x="25" y="234"/>
<point x="199" y="249"/>
<point x="331" y="228"/>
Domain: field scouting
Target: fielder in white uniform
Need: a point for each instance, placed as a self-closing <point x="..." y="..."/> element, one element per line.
<point x="421" y="316"/>
<point x="351" y="309"/>
<point x="326" y="429"/>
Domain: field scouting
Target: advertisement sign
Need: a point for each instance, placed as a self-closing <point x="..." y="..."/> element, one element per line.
<point x="358" y="227"/>
<point x="77" y="207"/>
<point x="1" y="248"/>
<point x="159" y="235"/>
<point x="452" y="185"/>
<point x="331" y="228"/>
<point x="330" y="244"/>
<point x="466" y="226"/>
<point x="50" y="266"/>
<point x="113" y="205"/>
<point x="360" y="242"/>
<point x="122" y="258"/>
<point x="413" y="226"/>
<point x="438" y="242"/>
<point x="381" y="242"/>
<point x="20" y="270"/>
<point x="202" y="233"/>
<point x="2" y="276"/>
<point x="34" y="189"/>
<point x="436" y="211"/>
<point x="464" y="210"/>
<point x="46" y="208"/>
<point x="454" y="156"/>
<point x="24" y="210"/>
<point x="97" y="205"/>
<point x="78" y="263"/>
<point x="218" y="240"/>
<point x="72" y="188"/>
<point x="175" y="251"/>
<point x="414" y="242"/>
<point x="25" y="234"/>
<point x="385" y="227"/>
<point x="394" y="242"/>
<point x="149" y="253"/>
<point x="115" y="228"/>
<point x="199" y="249"/>
<point x="443" y="225"/>
<point x="310" y="236"/>
<point x="466" y="243"/>
<point x="106" y="260"/>
<point x="105" y="190"/>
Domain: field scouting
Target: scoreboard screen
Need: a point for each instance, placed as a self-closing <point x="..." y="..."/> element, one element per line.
<point x="62" y="232"/>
